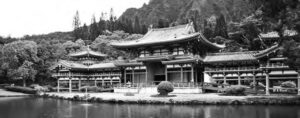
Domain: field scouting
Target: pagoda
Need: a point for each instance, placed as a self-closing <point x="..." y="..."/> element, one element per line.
<point x="85" y="68"/>
<point x="172" y="54"/>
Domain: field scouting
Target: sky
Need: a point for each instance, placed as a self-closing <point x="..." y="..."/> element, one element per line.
<point x="28" y="17"/>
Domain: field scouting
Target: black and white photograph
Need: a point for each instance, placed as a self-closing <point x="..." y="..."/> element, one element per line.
<point x="150" y="59"/>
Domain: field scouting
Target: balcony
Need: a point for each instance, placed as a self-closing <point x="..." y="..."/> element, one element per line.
<point x="231" y="69"/>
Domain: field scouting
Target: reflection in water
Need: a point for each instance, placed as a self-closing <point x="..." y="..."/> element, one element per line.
<point x="52" y="108"/>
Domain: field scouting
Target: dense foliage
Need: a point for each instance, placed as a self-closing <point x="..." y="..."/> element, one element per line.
<point x="235" y="90"/>
<point x="165" y="87"/>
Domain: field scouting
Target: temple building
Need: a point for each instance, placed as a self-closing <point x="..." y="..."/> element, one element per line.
<point x="85" y="68"/>
<point x="180" y="55"/>
<point x="166" y="54"/>
<point x="241" y="68"/>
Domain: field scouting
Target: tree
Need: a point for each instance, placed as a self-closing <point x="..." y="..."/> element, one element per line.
<point x="26" y="72"/>
<point x="112" y="20"/>
<point x="137" y="26"/>
<point x="20" y="58"/>
<point x="102" y="24"/>
<point x="221" y="27"/>
<point x="85" y="32"/>
<point x="76" y="26"/>
<point x="93" y="31"/>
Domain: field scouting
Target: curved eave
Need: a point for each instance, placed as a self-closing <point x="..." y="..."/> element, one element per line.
<point x="127" y="64"/>
<point x="88" y="54"/>
<point x="266" y="52"/>
<point x="210" y="44"/>
<point x="163" y="42"/>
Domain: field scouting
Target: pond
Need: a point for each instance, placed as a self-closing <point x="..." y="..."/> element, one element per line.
<point x="28" y="107"/>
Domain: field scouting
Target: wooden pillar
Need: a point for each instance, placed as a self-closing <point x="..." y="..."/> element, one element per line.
<point x="132" y="74"/>
<point x="196" y="75"/>
<point x="95" y="81"/>
<point x="181" y="73"/>
<point x="58" y="87"/>
<point x="166" y="73"/>
<point x="239" y="78"/>
<point x="224" y="79"/>
<point x="146" y="75"/>
<point x="298" y="82"/>
<point x="192" y="73"/>
<point x="79" y="83"/>
<point x="254" y="78"/>
<point x="102" y="81"/>
<point x="111" y="80"/>
<point x="125" y="76"/>
<point x="70" y="82"/>
<point x="267" y="82"/>
<point x="70" y="85"/>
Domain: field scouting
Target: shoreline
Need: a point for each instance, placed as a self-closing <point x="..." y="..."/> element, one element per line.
<point x="5" y="93"/>
<point x="180" y="99"/>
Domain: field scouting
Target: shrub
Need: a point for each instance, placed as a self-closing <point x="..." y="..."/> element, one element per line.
<point x="21" y="89"/>
<point x="165" y="87"/>
<point x="288" y="84"/>
<point x="39" y="88"/>
<point x="235" y="90"/>
<point x="259" y="86"/>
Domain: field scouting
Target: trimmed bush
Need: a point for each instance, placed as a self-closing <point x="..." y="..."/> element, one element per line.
<point x="288" y="84"/>
<point x="21" y="89"/>
<point x="235" y="90"/>
<point x="165" y="87"/>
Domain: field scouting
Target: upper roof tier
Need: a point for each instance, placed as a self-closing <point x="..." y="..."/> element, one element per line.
<point x="87" y="52"/>
<point x="160" y="36"/>
<point x="79" y="66"/>
<point x="230" y="57"/>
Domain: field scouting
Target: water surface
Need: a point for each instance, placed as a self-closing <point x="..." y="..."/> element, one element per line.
<point x="52" y="108"/>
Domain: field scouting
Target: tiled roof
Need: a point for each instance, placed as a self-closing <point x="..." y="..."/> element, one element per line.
<point x="87" y="52"/>
<point x="160" y="36"/>
<point x="75" y="65"/>
<point x="230" y="56"/>
<point x="126" y="63"/>
<point x="102" y="66"/>
<point x="267" y="51"/>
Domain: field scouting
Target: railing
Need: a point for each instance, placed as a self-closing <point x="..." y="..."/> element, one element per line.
<point x="81" y="74"/>
<point x="273" y="65"/>
<point x="231" y="69"/>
